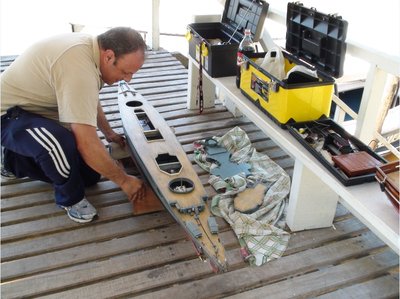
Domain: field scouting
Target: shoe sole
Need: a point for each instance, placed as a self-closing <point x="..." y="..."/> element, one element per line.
<point x="80" y="220"/>
<point x="8" y="179"/>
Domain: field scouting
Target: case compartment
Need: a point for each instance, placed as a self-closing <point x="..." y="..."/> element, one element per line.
<point x="346" y="145"/>
<point x="221" y="39"/>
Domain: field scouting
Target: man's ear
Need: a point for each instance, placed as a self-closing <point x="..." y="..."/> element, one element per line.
<point x="109" y="56"/>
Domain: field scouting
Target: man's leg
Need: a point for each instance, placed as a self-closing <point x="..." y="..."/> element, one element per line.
<point x="22" y="166"/>
<point x="42" y="149"/>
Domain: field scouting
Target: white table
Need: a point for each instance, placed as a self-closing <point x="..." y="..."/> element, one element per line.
<point x="314" y="191"/>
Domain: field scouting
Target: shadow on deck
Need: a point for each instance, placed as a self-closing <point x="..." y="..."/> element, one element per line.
<point x="44" y="254"/>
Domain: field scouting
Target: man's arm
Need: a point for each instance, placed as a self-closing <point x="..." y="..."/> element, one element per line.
<point x="95" y="155"/>
<point x="104" y="126"/>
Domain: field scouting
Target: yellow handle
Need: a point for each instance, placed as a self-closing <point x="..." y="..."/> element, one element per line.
<point x="188" y="35"/>
<point x="204" y="50"/>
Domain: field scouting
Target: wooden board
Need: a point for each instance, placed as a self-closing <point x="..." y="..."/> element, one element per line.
<point x="147" y="205"/>
<point x="250" y="199"/>
<point x="166" y="167"/>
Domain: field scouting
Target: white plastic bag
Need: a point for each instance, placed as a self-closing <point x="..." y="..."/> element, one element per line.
<point x="302" y="69"/>
<point x="274" y="63"/>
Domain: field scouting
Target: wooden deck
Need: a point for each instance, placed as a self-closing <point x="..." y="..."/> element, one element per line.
<point x="44" y="254"/>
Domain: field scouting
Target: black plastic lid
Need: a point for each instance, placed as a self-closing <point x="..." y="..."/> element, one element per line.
<point x="316" y="38"/>
<point x="245" y="14"/>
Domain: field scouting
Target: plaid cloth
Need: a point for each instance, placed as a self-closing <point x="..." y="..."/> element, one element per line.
<point x="262" y="231"/>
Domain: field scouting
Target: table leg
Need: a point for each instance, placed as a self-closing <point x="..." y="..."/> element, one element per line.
<point x="312" y="203"/>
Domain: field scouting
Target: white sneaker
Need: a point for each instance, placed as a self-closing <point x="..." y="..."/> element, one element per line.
<point x="82" y="212"/>
<point x="7" y="175"/>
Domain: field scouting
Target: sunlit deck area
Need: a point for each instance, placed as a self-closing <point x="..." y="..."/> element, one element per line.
<point x="119" y="255"/>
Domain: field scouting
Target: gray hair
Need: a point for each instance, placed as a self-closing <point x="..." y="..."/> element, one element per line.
<point x="121" y="40"/>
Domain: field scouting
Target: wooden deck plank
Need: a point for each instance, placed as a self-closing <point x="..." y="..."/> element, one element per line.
<point x="83" y="235"/>
<point x="55" y="222"/>
<point x="30" y="213"/>
<point x="382" y="287"/>
<point x="26" y="187"/>
<point x="101" y="270"/>
<point x="34" y="196"/>
<point x="246" y="278"/>
<point x="191" y="137"/>
<point x="89" y="252"/>
<point x="44" y="254"/>
<point x="180" y="93"/>
<point x="324" y="280"/>
<point x="140" y="282"/>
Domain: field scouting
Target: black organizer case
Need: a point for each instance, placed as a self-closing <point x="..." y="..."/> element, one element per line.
<point x="317" y="38"/>
<point x="340" y="175"/>
<point x="221" y="58"/>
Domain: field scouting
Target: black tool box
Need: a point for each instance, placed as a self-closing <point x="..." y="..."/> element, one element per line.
<point x="221" y="40"/>
<point x="315" y="41"/>
<point x="338" y="151"/>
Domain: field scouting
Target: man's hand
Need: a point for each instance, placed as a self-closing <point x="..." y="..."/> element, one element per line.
<point x="105" y="127"/>
<point x="134" y="188"/>
<point x="117" y="138"/>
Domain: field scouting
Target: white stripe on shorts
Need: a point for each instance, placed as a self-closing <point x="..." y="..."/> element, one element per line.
<point x="54" y="149"/>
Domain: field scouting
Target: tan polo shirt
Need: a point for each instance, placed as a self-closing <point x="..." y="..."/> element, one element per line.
<point x="58" y="78"/>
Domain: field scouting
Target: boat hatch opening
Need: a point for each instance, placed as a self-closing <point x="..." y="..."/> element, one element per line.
<point x="138" y="111"/>
<point x="168" y="164"/>
<point x="153" y="135"/>
<point x="181" y="185"/>
<point x="134" y="103"/>
<point x="145" y="122"/>
<point x="150" y="132"/>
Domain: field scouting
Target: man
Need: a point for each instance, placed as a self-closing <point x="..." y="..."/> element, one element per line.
<point x="50" y="111"/>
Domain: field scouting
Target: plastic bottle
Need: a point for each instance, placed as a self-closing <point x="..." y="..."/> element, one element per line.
<point x="246" y="47"/>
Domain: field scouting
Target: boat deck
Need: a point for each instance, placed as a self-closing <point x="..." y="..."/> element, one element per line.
<point x="44" y="254"/>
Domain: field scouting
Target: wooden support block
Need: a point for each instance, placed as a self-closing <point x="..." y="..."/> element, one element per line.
<point x="151" y="203"/>
<point x="147" y="205"/>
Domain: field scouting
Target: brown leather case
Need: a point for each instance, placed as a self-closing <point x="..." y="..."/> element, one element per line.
<point x="388" y="178"/>
<point x="355" y="164"/>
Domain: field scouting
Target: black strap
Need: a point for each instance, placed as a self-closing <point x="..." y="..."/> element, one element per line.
<point x="199" y="95"/>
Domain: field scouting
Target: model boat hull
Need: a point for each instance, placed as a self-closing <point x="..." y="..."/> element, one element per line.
<point x="164" y="163"/>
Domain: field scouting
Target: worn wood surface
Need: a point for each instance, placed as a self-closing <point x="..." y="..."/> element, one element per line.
<point x="44" y="254"/>
<point x="187" y="206"/>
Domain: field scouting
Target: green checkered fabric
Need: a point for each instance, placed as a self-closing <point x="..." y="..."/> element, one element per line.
<point x="262" y="231"/>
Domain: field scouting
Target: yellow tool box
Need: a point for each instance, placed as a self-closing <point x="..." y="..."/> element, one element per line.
<point x="313" y="40"/>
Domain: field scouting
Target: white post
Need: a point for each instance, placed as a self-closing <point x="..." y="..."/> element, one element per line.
<point x="371" y="103"/>
<point x="155" y="25"/>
